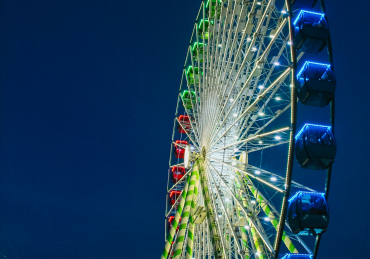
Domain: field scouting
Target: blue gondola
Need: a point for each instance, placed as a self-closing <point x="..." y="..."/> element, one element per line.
<point x="308" y="213"/>
<point x="316" y="84"/>
<point x="303" y="4"/>
<point x="311" y="32"/>
<point x="297" y="256"/>
<point x="315" y="147"/>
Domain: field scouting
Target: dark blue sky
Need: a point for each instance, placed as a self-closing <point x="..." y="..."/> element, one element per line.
<point x="88" y="95"/>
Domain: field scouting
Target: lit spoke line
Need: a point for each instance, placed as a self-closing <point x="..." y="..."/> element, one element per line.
<point x="268" y="202"/>
<point x="251" y="138"/>
<point x="259" y="98"/>
<point x="250" y="175"/>
<point x="264" y="147"/>
<point x="255" y="35"/>
<point x="223" y="208"/>
<point x="260" y="61"/>
<point x="230" y="49"/>
<point x="217" y="222"/>
<point x="182" y="179"/>
<point x="294" y="184"/>
<point x="191" y="139"/>
<point x="271" y="69"/>
<point x="266" y="124"/>
<point x="211" y="41"/>
<point x="264" y="238"/>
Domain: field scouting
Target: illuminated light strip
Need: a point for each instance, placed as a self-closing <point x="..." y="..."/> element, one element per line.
<point x="303" y="11"/>
<point x="198" y="43"/>
<point x="309" y="62"/>
<point x="251" y="138"/>
<point x="309" y="124"/>
<point x="323" y="194"/>
<point x="288" y="256"/>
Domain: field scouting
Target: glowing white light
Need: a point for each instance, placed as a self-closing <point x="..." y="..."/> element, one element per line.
<point x="273" y="179"/>
<point x="258" y="253"/>
<point x="289" y="43"/>
<point x="236" y="124"/>
<point x="277" y="137"/>
<point x="236" y="149"/>
<point x="192" y="148"/>
<point x="254" y="49"/>
<point x="258" y="3"/>
<point x="260" y="142"/>
<point x="277" y="63"/>
<point x="187" y="157"/>
<point x="261" y="114"/>
<point x="267" y="219"/>
<point x="249" y="39"/>
<point x="257" y="172"/>
<point x="278" y="98"/>
<point x="235" y="114"/>
<point x="253" y="201"/>
<point x="233" y="163"/>
<point x="220" y="45"/>
<point x="236" y="137"/>
<point x="261" y="87"/>
<point x="284" y="12"/>
<point x="272" y="36"/>
<point x="246" y="227"/>
<point x="231" y="100"/>
<point x="220" y="216"/>
<point x="291" y="86"/>
<point x="226" y="199"/>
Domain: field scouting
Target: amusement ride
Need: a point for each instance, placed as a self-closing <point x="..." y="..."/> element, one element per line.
<point x="230" y="191"/>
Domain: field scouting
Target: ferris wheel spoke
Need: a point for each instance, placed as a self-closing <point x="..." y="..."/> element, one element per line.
<point x="259" y="128"/>
<point x="223" y="209"/>
<point x="255" y="137"/>
<point x="258" y="99"/>
<point x="254" y="224"/>
<point x="219" y="230"/>
<point x="251" y="45"/>
<point x="268" y="175"/>
<point x="273" y="186"/>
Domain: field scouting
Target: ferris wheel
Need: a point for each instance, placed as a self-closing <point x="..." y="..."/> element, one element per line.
<point x="231" y="192"/>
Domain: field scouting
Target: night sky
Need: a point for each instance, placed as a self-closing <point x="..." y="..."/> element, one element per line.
<point x="88" y="96"/>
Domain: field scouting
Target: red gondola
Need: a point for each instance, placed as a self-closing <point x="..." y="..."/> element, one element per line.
<point x="185" y="122"/>
<point x="177" y="173"/>
<point x="179" y="151"/>
<point x="173" y="196"/>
